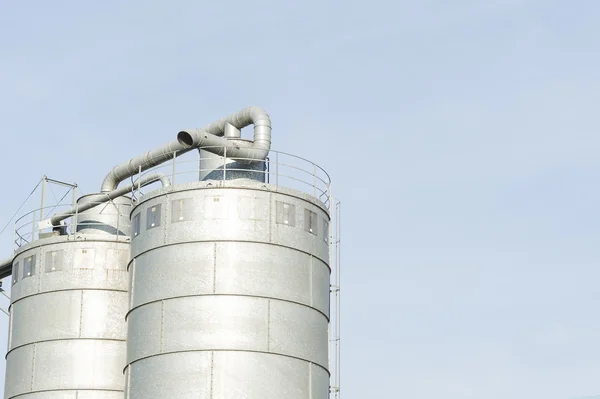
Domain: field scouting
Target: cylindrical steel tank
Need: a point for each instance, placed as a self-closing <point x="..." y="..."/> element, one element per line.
<point x="111" y="218"/>
<point x="67" y="327"/>
<point x="229" y="294"/>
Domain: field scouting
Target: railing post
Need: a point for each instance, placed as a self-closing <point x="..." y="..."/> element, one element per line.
<point x="315" y="180"/>
<point x="277" y="169"/>
<point x="139" y="186"/>
<point x="43" y="198"/>
<point x="75" y="221"/>
<point x="118" y="206"/>
<point x="199" y="165"/>
<point x="14" y="235"/>
<point x="173" y="171"/>
<point x="74" y="203"/>
<point x="224" y="163"/>
<point x="267" y="170"/>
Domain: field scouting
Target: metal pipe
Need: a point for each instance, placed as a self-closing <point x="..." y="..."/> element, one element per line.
<point x="210" y="136"/>
<point x="108" y="196"/>
<point x="146" y="161"/>
<point x="6" y="267"/>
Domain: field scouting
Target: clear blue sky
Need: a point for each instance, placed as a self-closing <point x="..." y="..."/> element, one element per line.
<point x="462" y="137"/>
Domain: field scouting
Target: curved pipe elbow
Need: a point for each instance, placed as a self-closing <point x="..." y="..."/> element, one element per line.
<point x="210" y="137"/>
<point x="109" y="196"/>
<point x="154" y="177"/>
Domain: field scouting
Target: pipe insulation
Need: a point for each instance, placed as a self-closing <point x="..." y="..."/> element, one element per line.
<point x="109" y="196"/>
<point x="210" y="138"/>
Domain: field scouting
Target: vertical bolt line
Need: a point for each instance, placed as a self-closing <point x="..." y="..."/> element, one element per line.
<point x="162" y="325"/>
<point x="212" y="366"/>
<point x="33" y="367"/>
<point x="268" y="325"/>
<point x="80" y="313"/>
<point x="215" y="268"/>
<point x="310" y="395"/>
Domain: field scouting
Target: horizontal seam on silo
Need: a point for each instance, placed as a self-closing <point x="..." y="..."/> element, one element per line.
<point x="151" y="196"/>
<point x="326" y="262"/>
<point x="66" y="390"/>
<point x="229" y="350"/>
<point x="69" y="241"/>
<point x="67" y="289"/>
<point x="222" y="295"/>
<point x="62" y="339"/>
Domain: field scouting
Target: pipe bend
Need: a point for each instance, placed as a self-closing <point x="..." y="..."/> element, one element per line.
<point x="210" y="137"/>
<point x="108" y="196"/>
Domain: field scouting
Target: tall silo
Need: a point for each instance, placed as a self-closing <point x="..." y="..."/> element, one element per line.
<point x="229" y="294"/>
<point x="69" y="298"/>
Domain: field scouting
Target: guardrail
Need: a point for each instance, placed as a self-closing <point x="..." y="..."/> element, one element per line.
<point x="280" y="169"/>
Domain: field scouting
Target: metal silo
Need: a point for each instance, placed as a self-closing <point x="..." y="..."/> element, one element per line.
<point x="69" y="298"/>
<point x="67" y="332"/>
<point x="216" y="287"/>
<point x="230" y="280"/>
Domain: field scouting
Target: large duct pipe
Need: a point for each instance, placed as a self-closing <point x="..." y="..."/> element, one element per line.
<point x="6" y="267"/>
<point x="105" y="197"/>
<point x="208" y="136"/>
<point x="146" y="161"/>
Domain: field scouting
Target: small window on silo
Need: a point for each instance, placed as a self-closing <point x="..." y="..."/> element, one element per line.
<point x="310" y="222"/>
<point x="54" y="261"/>
<point x="153" y="217"/>
<point x="181" y="210"/>
<point x="285" y="213"/>
<point x="15" y="272"/>
<point x="325" y="230"/>
<point x="29" y="266"/>
<point x="135" y="228"/>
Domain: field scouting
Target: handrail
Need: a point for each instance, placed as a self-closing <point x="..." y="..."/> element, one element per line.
<point x="281" y="170"/>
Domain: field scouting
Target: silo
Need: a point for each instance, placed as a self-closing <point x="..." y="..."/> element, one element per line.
<point x="68" y="300"/>
<point x="229" y="294"/>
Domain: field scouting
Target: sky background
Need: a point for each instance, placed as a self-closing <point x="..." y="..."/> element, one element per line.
<point x="461" y="136"/>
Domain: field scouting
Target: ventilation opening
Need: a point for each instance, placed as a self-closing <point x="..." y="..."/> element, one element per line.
<point x="185" y="139"/>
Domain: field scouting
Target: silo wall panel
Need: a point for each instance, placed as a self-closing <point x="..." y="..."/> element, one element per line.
<point x="183" y="375"/>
